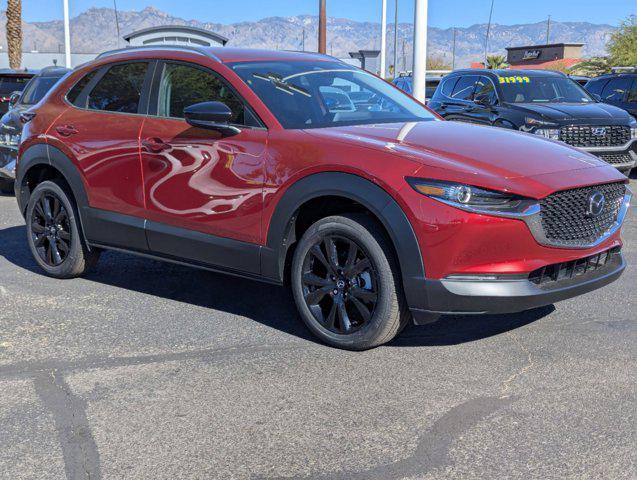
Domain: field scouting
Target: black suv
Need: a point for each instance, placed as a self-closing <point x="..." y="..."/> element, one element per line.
<point x="11" y="126"/>
<point x="618" y="89"/>
<point x="542" y="102"/>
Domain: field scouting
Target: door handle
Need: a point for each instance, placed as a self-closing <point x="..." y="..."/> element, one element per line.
<point x="155" y="145"/>
<point x="66" y="130"/>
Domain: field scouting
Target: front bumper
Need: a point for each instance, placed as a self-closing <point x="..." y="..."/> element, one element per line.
<point x="476" y="295"/>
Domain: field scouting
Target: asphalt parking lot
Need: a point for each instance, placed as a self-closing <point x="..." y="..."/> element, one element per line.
<point x="146" y="370"/>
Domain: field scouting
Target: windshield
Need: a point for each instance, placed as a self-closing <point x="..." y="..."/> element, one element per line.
<point x="327" y="94"/>
<point x="8" y="85"/>
<point x="516" y="89"/>
<point x="37" y="89"/>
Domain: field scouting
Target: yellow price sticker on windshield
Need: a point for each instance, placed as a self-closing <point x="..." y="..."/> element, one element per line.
<point x="517" y="79"/>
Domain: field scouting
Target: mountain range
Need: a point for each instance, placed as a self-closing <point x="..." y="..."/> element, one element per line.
<point x="95" y="30"/>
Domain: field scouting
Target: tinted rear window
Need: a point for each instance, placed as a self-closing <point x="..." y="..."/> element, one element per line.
<point x="464" y="88"/>
<point x="37" y="89"/>
<point x="120" y="89"/>
<point x="74" y="94"/>
<point x="8" y="85"/>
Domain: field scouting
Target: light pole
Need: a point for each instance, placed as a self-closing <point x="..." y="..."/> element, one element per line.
<point x="396" y="40"/>
<point x="383" y="38"/>
<point x="67" y="36"/>
<point x="420" y="49"/>
<point x="486" y="41"/>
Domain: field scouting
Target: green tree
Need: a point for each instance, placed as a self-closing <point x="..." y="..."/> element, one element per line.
<point x="495" y="62"/>
<point x="593" y="67"/>
<point x="623" y="43"/>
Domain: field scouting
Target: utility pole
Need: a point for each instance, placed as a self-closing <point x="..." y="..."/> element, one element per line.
<point x="420" y="49"/>
<point x="396" y="40"/>
<point x="116" y="21"/>
<point x="453" y="51"/>
<point x="486" y="41"/>
<point x="383" y="38"/>
<point x="404" y="58"/>
<point x="303" y="40"/>
<point x="67" y="35"/>
<point x="322" y="33"/>
<point x="548" y="30"/>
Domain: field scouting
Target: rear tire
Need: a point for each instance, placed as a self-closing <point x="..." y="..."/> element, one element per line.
<point x="53" y="232"/>
<point x="346" y="283"/>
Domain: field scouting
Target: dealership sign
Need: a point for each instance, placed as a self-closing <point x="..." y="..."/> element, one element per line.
<point x="531" y="54"/>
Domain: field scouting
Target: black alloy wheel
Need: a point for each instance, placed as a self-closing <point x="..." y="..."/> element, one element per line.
<point x="51" y="230"/>
<point x="339" y="284"/>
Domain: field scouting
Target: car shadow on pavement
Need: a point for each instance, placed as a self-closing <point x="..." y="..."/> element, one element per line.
<point x="269" y="305"/>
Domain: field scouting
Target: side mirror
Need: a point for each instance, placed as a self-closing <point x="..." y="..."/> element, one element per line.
<point x="13" y="99"/>
<point x="212" y="116"/>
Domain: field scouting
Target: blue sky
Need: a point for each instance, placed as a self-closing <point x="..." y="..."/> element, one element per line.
<point x="442" y="13"/>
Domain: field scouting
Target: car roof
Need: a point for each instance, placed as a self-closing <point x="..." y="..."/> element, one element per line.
<point x="226" y="54"/>
<point x="507" y="72"/>
<point x="9" y="72"/>
<point x="615" y="75"/>
<point x="53" y="71"/>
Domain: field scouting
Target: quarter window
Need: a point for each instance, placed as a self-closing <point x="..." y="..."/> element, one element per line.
<point x="615" y="90"/>
<point x="464" y="88"/>
<point x="74" y="94"/>
<point x="181" y="86"/>
<point x="120" y="89"/>
<point x="447" y="86"/>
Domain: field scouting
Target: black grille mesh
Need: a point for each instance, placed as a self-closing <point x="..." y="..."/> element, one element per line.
<point x="564" y="214"/>
<point x="582" y="136"/>
<point x="616" y="158"/>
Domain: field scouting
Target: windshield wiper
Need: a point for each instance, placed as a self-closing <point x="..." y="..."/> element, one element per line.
<point x="281" y="84"/>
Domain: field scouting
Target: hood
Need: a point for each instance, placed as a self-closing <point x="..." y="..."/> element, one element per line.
<point x="575" y="112"/>
<point x="484" y="156"/>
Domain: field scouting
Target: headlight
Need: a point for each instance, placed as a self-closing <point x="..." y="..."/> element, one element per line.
<point x="10" y="140"/>
<point x="474" y="199"/>
<point x="550" y="133"/>
<point x="537" y="122"/>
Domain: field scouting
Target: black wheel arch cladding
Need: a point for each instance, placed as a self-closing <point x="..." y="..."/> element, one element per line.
<point x="369" y="195"/>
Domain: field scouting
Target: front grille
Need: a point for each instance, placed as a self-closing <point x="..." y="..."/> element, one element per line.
<point x="558" y="272"/>
<point x="565" y="218"/>
<point x="584" y="135"/>
<point x="616" y="158"/>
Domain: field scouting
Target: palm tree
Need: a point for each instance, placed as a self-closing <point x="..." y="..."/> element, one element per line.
<point x="14" y="33"/>
<point x="495" y="62"/>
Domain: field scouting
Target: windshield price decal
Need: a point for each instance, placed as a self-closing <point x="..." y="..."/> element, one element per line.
<point x="515" y="80"/>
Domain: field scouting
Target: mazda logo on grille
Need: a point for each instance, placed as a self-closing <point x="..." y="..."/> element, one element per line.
<point x="596" y="202"/>
<point x="599" y="131"/>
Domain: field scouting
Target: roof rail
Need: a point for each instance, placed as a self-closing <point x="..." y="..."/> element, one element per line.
<point x="186" y="48"/>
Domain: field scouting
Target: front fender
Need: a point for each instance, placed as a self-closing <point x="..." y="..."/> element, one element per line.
<point x="362" y="191"/>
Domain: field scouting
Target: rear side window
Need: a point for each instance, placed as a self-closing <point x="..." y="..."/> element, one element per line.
<point x="616" y="89"/>
<point x="485" y="88"/>
<point x="464" y="88"/>
<point x="182" y="86"/>
<point x="595" y="86"/>
<point x="120" y="89"/>
<point x="447" y="86"/>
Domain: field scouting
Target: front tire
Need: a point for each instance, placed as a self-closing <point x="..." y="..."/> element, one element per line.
<point x="346" y="283"/>
<point x="53" y="233"/>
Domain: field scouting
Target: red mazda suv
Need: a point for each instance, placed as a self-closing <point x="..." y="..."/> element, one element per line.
<point x="299" y="169"/>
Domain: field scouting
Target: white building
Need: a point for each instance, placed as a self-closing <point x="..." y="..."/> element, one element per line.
<point x="175" y="35"/>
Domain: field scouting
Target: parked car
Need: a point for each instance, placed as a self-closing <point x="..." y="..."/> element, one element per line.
<point x="406" y="84"/>
<point x="12" y="82"/>
<point x="545" y="103"/>
<point x="11" y="126"/>
<point x="616" y="89"/>
<point x="245" y="162"/>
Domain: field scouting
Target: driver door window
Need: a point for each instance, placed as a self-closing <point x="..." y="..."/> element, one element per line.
<point x="182" y="85"/>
